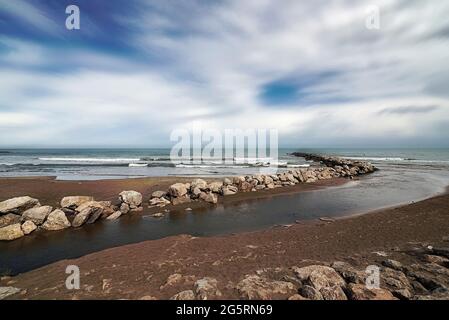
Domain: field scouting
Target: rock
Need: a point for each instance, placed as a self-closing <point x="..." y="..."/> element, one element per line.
<point x="198" y="183"/>
<point x="28" y="227"/>
<point x="95" y="215"/>
<point x="8" y="291"/>
<point x="245" y="186"/>
<point x="180" y="200"/>
<point x="327" y="219"/>
<point x="349" y="273"/>
<point x="147" y="298"/>
<point x="442" y="261"/>
<point x="11" y="232"/>
<point x="171" y="280"/>
<point x="215" y="186"/>
<point x="91" y="205"/>
<point x="18" y="205"/>
<point x="324" y="279"/>
<point x="157" y="215"/>
<point x="184" y="295"/>
<point x="114" y="216"/>
<point x="310" y="293"/>
<point x="361" y="292"/>
<point x="206" y="288"/>
<point x="131" y="198"/>
<point x="177" y="190"/>
<point x="209" y="197"/>
<point x="229" y="190"/>
<point x="432" y="276"/>
<point x="8" y="219"/>
<point x="37" y="214"/>
<point x="159" y="202"/>
<point x="158" y="194"/>
<point x="56" y="220"/>
<point x="74" y="201"/>
<point x="396" y="282"/>
<point x="254" y="287"/>
<point x="444" y="252"/>
<point x="227" y="181"/>
<point x="124" y="208"/>
<point x="393" y="264"/>
<point x="83" y="216"/>
<point x="297" y="297"/>
<point x="196" y="192"/>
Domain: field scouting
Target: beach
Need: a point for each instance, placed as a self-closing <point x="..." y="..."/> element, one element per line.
<point x="141" y="270"/>
<point x="257" y="243"/>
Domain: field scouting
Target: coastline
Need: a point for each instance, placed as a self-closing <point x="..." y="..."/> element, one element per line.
<point x="138" y="270"/>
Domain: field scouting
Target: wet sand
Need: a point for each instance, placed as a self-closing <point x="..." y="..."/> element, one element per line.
<point x="138" y="270"/>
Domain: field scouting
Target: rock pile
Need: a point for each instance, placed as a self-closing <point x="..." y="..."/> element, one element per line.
<point x="425" y="276"/>
<point x="24" y="215"/>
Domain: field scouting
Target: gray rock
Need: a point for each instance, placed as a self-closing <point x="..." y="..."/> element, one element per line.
<point x="11" y="232"/>
<point x="56" y="220"/>
<point x="82" y="217"/>
<point x="37" y="215"/>
<point x="349" y="273"/>
<point x="310" y="293"/>
<point x="18" y="205"/>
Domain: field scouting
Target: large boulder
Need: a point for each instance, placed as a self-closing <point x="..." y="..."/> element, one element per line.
<point x="181" y="200"/>
<point x="37" y="215"/>
<point x="177" y="190"/>
<point x="132" y="198"/>
<point x="72" y="202"/>
<point x="254" y="287"/>
<point x="158" y="194"/>
<point x="159" y="202"/>
<point x="56" y="220"/>
<point x="28" y="227"/>
<point x="215" y="186"/>
<point x="209" y="197"/>
<point x="8" y="219"/>
<point x="324" y="279"/>
<point x="198" y="183"/>
<point x="11" y="232"/>
<point x="18" y="205"/>
<point x="229" y="190"/>
<point x="83" y="216"/>
<point x="114" y="216"/>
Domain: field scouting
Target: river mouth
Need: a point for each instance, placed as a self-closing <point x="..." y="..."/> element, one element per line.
<point x="389" y="186"/>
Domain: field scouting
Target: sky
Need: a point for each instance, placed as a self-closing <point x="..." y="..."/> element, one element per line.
<point x="136" y="70"/>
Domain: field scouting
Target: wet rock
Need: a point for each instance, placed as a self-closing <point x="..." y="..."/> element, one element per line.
<point x="159" y="202"/>
<point x="131" y="198"/>
<point x="72" y="202"/>
<point x="18" y="205"/>
<point x="361" y="292"/>
<point x="255" y="287"/>
<point x="209" y="197"/>
<point x="37" y="214"/>
<point x="206" y="289"/>
<point x="158" y="194"/>
<point x="115" y="215"/>
<point x="184" y="295"/>
<point x="8" y="219"/>
<point x="8" y="291"/>
<point x="28" y="227"/>
<point x="11" y="232"/>
<point x="177" y="190"/>
<point x="95" y="215"/>
<point x="56" y="220"/>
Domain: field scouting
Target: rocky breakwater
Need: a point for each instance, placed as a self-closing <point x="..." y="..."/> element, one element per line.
<point x="344" y="167"/>
<point x="23" y="215"/>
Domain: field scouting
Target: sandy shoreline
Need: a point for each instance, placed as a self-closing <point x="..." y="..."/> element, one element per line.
<point x="138" y="270"/>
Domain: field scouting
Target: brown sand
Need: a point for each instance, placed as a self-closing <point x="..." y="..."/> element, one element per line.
<point x="138" y="270"/>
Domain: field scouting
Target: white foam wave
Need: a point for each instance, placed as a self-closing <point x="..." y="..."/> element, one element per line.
<point x="90" y="159"/>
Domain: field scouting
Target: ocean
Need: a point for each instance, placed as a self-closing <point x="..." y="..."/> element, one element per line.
<point x="95" y="164"/>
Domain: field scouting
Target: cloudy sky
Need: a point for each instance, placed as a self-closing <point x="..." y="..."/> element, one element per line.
<point x="138" y="69"/>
